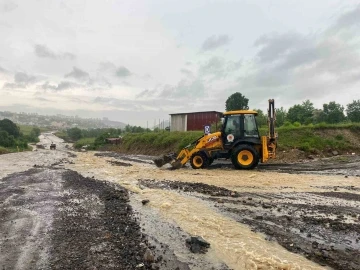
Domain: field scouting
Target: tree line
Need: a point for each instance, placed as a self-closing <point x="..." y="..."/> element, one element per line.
<point x="76" y="133"/>
<point x="301" y="114"/>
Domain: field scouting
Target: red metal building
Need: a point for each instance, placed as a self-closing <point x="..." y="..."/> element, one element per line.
<point x="193" y="120"/>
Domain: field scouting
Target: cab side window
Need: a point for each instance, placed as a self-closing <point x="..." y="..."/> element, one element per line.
<point x="250" y="127"/>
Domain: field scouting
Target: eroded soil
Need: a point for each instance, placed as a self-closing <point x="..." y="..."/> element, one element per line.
<point x="57" y="212"/>
<point x="310" y="223"/>
<point x="58" y="219"/>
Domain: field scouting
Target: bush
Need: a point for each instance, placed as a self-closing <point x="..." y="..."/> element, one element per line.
<point x="305" y="147"/>
<point x="85" y="141"/>
<point x="74" y="133"/>
<point x="297" y="124"/>
<point x="288" y="124"/>
<point x="3" y="150"/>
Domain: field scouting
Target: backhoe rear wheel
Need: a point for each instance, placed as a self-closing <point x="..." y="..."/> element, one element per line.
<point x="199" y="160"/>
<point x="245" y="157"/>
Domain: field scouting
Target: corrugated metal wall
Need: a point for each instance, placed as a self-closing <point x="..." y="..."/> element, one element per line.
<point x="197" y="121"/>
<point x="193" y="121"/>
<point x="178" y="122"/>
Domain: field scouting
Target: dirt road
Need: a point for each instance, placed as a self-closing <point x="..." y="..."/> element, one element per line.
<point x="60" y="214"/>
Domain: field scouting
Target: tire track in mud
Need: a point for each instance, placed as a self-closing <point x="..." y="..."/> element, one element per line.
<point x="322" y="226"/>
<point x="52" y="218"/>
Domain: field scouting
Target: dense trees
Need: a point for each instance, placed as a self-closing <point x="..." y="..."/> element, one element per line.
<point x="333" y="113"/>
<point x="11" y="137"/>
<point x="6" y="140"/>
<point x="261" y="118"/>
<point x="74" y="133"/>
<point x="302" y="114"/>
<point x="353" y="111"/>
<point x="10" y="127"/>
<point x="236" y="102"/>
<point x="280" y="116"/>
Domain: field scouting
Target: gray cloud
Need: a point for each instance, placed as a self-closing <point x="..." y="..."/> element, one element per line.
<point x="107" y="66"/>
<point x="64" y="85"/>
<point x="147" y="77"/>
<point x="218" y="67"/>
<point x="44" y="52"/>
<point x="215" y="42"/>
<point x="349" y="18"/>
<point x="187" y="72"/>
<point x="3" y="70"/>
<point x="122" y="72"/>
<point x="214" y="66"/>
<point x="184" y="89"/>
<point x="146" y="93"/>
<point x="13" y="85"/>
<point x="5" y="24"/>
<point x="67" y="55"/>
<point x="118" y="103"/>
<point x="43" y="99"/>
<point x="8" y="6"/>
<point x="294" y="66"/>
<point x="277" y="45"/>
<point x="102" y="81"/>
<point x="78" y="74"/>
<point x="23" y="78"/>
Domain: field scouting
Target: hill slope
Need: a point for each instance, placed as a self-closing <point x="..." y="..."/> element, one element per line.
<point x="293" y="143"/>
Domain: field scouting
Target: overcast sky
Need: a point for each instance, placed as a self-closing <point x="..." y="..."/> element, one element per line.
<point x="137" y="61"/>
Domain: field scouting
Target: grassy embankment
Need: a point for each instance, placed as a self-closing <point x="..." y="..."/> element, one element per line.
<point x="26" y="130"/>
<point x="79" y="143"/>
<point x="314" y="139"/>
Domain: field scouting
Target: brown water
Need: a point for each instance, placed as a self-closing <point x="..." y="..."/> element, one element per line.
<point x="231" y="242"/>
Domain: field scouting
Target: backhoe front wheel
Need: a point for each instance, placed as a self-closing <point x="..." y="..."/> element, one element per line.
<point x="199" y="161"/>
<point x="245" y="157"/>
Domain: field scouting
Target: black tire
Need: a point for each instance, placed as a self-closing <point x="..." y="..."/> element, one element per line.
<point x="245" y="157"/>
<point x="211" y="160"/>
<point x="199" y="161"/>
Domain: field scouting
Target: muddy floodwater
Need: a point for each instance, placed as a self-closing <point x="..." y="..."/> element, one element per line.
<point x="61" y="209"/>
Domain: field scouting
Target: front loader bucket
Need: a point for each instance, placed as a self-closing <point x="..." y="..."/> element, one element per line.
<point x="176" y="164"/>
<point x="164" y="159"/>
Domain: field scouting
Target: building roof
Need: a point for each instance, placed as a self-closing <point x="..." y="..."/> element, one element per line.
<point x="241" y="112"/>
<point x="196" y="112"/>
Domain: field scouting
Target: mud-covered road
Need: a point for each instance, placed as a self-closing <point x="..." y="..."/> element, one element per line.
<point x="73" y="210"/>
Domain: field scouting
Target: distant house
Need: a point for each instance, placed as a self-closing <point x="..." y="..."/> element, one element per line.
<point x="193" y="120"/>
<point x="113" y="140"/>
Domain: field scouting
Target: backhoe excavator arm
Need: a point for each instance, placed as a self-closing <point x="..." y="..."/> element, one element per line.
<point x="269" y="142"/>
<point x="271" y="120"/>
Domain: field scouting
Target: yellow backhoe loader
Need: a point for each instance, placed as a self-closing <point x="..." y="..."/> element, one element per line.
<point x="239" y="140"/>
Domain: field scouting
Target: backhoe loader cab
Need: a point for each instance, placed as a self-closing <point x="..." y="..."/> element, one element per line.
<point x="239" y="140"/>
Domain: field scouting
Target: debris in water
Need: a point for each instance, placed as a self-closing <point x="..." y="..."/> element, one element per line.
<point x="197" y="244"/>
<point x="144" y="202"/>
<point x="119" y="163"/>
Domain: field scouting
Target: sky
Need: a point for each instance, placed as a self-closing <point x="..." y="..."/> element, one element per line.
<point x="139" y="61"/>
